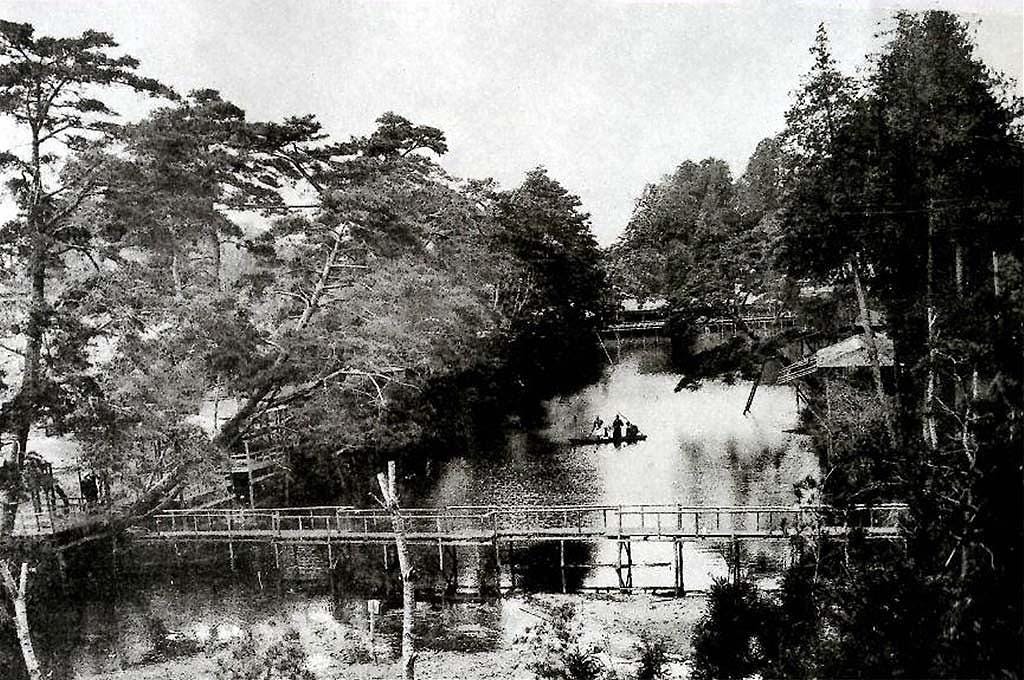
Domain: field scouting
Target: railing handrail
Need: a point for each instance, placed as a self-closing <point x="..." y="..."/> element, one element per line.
<point x="487" y="511"/>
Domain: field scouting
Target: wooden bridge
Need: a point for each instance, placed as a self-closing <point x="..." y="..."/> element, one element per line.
<point x="311" y="541"/>
<point x="758" y="325"/>
<point x="487" y="524"/>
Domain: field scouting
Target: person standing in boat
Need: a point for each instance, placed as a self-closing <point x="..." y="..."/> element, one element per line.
<point x="617" y="428"/>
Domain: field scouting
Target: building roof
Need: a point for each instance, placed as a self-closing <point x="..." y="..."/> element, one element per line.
<point x="645" y="305"/>
<point x="853" y="352"/>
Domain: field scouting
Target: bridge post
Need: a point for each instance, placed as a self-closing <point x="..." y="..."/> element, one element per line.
<point x="497" y="563"/>
<point x="629" y="564"/>
<point x="512" y="564"/>
<point x="618" y="562"/>
<point x="231" y="544"/>
<point x="440" y="548"/>
<point x="561" y="564"/>
<point x="452" y="585"/>
<point x="248" y="466"/>
<point x="678" y="566"/>
<point x="625" y="547"/>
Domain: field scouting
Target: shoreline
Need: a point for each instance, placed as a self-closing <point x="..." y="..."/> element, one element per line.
<point x="613" y="623"/>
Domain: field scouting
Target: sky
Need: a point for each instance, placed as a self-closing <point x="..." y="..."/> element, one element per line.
<point x="608" y="96"/>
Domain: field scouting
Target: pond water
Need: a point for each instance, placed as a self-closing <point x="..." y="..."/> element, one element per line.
<point x="700" y="450"/>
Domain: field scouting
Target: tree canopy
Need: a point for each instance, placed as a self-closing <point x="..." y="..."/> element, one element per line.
<point x="363" y="310"/>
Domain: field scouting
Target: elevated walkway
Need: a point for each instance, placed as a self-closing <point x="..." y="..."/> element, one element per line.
<point x="490" y="524"/>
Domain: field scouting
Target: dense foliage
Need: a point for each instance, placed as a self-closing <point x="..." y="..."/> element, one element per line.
<point x="703" y="240"/>
<point x="908" y="184"/>
<point x="387" y="305"/>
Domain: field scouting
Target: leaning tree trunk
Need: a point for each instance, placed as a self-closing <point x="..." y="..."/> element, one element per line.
<point x="872" y="347"/>
<point x="233" y="426"/>
<point x="17" y="591"/>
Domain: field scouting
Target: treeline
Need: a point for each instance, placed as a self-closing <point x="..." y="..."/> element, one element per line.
<point x="707" y="243"/>
<point x="196" y="252"/>
<point x="702" y="239"/>
<point x="902" y="189"/>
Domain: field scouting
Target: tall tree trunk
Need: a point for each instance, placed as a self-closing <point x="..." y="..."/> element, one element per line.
<point x="17" y="591"/>
<point x="389" y="492"/>
<point x="958" y="254"/>
<point x="931" y="436"/>
<point x="995" y="274"/>
<point x="872" y="346"/>
<point x="215" y="255"/>
<point x="29" y="392"/>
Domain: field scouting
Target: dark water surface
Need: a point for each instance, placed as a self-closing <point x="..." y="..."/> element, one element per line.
<point x="700" y="450"/>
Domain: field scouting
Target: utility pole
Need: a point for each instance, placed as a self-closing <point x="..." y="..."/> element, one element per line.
<point x="389" y="494"/>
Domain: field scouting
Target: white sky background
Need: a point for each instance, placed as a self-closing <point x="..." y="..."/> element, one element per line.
<point x="609" y="96"/>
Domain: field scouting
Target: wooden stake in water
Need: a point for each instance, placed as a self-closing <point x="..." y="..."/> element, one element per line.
<point x="389" y="494"/>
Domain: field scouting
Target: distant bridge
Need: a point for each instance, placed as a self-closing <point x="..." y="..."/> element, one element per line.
<point x="759" y="326"/>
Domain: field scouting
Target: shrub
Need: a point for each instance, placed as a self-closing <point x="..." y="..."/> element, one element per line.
<point x="556" y="650"/>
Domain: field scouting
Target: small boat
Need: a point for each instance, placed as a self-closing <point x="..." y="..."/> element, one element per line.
<point x="583" y="441"/>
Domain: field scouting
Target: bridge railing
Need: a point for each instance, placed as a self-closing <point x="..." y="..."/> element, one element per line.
<point x="482" y="520"/>
<point x="52" y="518"/>
<point x="667" y="519"/>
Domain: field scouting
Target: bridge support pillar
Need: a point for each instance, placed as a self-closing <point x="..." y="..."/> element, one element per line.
<point x="734" y="568"/>
<point x="277" y="565"/>
<point x="256" y="558"/>
<point x="453" y="584"/>
<point x="512" y="565"/>
<point x="678" y="565"/>
<point x="497" y="564"/>
<point x="561" y="564"/>
<point x="625" y="548"/>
